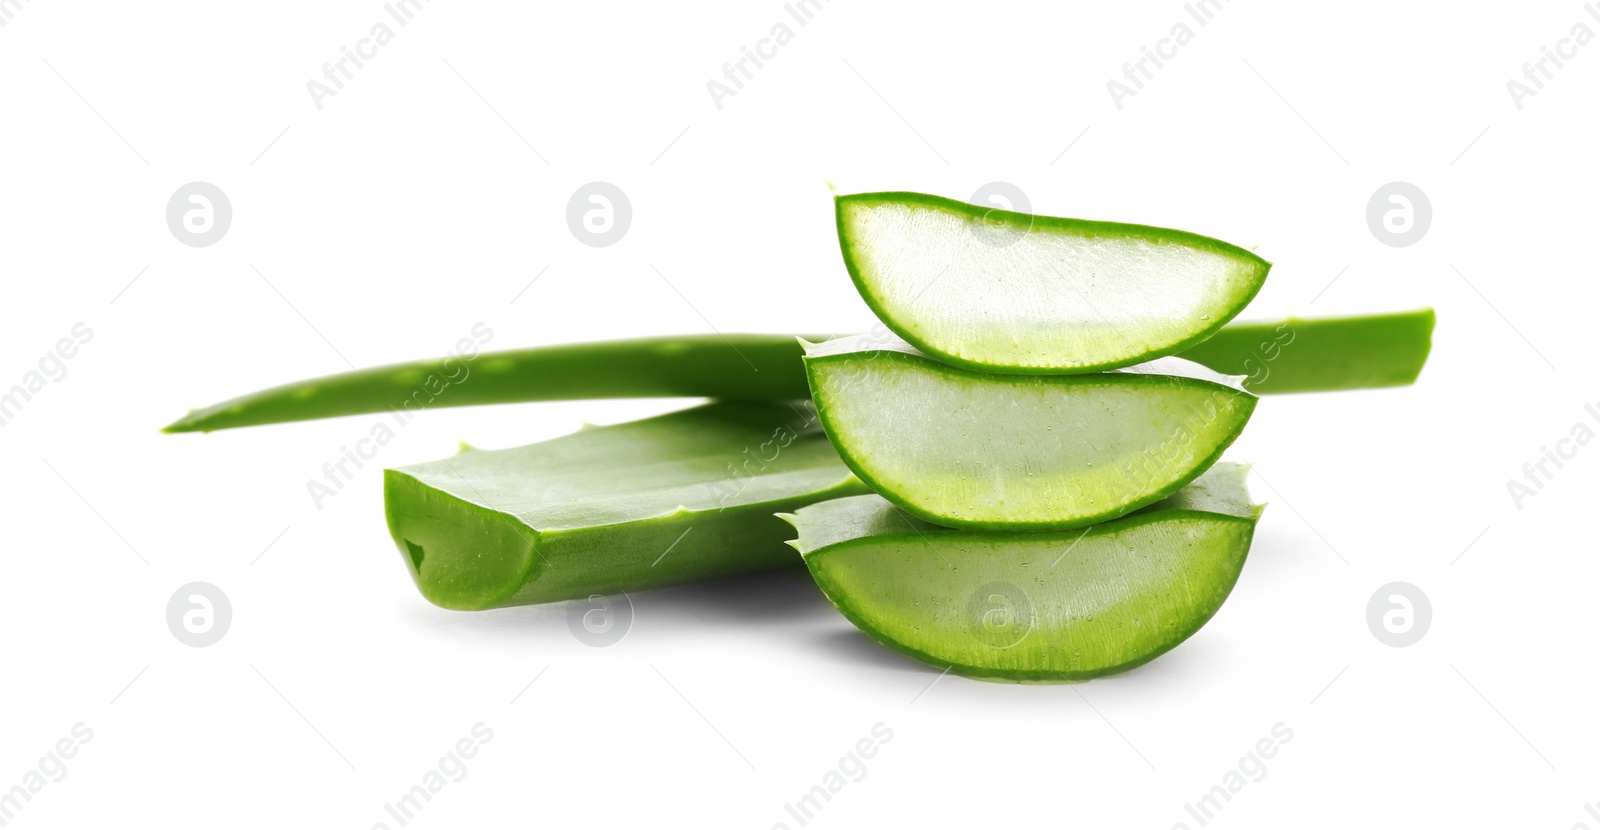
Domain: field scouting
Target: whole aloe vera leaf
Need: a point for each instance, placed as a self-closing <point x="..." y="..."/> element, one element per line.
<point x="680" y="497"/>
<point x="1046" y="607"/>
<point x="999" y="291"/>
<point x="1317" y="355"/>
<point x="1337" y="353"/>
<point x="732" y="367"/>
<point x="976" y="450"/>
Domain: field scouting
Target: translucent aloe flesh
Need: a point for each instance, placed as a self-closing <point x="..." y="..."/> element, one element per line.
<point x="1318" y="355"/>
<point x="1034" y="607"/>
<point x="1012" y="292"/>
<point x="1336" y="353"/>
<point x="976" y="450"/>
<point x="684" y="496"/>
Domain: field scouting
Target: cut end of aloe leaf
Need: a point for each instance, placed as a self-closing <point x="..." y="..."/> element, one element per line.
<point x="1000" y="291"/>
<point x="1034" y="607"/>
<point x="462" y="555"/>
<point x="976" y="450"/>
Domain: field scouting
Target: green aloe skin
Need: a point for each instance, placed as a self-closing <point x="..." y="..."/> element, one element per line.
<point x="684" y="496"/>
<point x="1321" y="355"/>
<point x="732" y="367"/>
<point x="998" y="291"/>
<point x="1034" y="607"/>
<point x="977" y="450"/>
<point x="1329" y="354"/>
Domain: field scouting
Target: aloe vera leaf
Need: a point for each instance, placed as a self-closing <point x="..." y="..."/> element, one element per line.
<point x="1338" y="353"/>
<point x="999" y="291"/>
<point x="1034" y="607"/>
<point x="1317" y="355"/>
<point x="731" y="367"/>
<point x="679" y="497"/>
<point x="977" y="450"/>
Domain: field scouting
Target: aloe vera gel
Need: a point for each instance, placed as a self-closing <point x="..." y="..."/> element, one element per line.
<point x="1054" y="295"/>
<point x="977" y="450"/>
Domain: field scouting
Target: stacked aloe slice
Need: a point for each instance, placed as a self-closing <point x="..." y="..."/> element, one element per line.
<point x="1046" y="503"/>
<point x="1015" y="478"/>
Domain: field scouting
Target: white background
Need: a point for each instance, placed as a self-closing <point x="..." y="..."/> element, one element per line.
<point x="415" y="203"/>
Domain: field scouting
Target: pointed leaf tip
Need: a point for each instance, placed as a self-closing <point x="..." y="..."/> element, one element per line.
<point x="184" y="424"/>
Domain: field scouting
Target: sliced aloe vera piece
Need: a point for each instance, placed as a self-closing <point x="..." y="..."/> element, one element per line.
<point x="1318" y="355"/>
<point x="680" y="497"/>
<point x="1034" y="607"/>
<point x="1011" y="292"/>
<point x="977" y="450"/>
